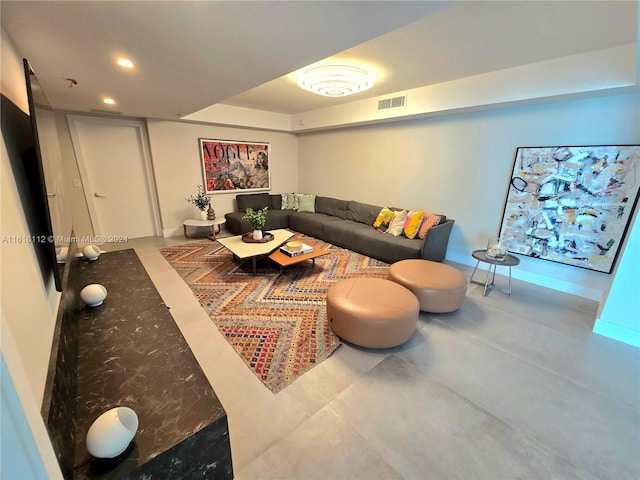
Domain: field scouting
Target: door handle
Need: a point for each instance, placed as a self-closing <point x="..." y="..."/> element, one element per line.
<point x="99" y="195"/>
<point x="51" y="194"/>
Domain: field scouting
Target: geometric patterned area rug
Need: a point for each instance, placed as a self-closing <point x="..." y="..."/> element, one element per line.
<point x="276" y="322"/>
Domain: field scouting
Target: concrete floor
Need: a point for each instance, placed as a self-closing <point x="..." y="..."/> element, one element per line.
<point x="506" y="387"/>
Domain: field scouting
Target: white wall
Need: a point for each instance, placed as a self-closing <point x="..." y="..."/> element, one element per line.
<point x="610" y="71"/>
<point x="460" y="165"/>
<point x="175" y="154"/>
<point x="619" y="313"/>
<point x="28" y="306"/>
<point x="25" y="463"/>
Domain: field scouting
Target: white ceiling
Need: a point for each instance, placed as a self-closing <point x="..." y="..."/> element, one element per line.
<point x="190" y="55"/>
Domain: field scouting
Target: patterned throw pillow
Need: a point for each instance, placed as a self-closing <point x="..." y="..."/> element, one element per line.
<point x="293" y="201"/>
<point x="411" y="226"/>
<point x="383" y="219"/>
<point x="397" y="224"/>
<point x="428" y="221"/>
<point x="289" y="201"/>
<point x="306" y="202"/>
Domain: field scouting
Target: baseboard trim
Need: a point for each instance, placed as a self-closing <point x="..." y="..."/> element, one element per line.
<point x="172" y="232"/>
<point x="616" y="332"/>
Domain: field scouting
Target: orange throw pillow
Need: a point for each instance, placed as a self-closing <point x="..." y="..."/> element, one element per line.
<point x="428" y="221"/>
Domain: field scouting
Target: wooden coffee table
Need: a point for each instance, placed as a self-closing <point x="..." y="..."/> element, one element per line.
<point x="285" y="260"/>
<point x="253" y="251"/>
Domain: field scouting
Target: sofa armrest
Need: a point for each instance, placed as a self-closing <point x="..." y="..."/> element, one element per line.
<point x="434" y="246"/>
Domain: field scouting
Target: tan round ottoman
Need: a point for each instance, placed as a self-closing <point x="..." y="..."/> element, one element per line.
<point x="439" y="287"/>
<point x="372" y="312"/>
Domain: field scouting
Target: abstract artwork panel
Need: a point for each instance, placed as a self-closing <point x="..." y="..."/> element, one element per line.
<point x="572" y="205"/>
<point x="229" y="165"/>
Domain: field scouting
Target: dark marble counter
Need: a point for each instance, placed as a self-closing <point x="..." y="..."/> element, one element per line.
<point x="131" y="353"/>
<point x="59" y="400"/>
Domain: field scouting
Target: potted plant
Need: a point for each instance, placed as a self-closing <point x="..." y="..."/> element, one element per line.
<point x="201" y="201"/>
<point x="257" y="219"/>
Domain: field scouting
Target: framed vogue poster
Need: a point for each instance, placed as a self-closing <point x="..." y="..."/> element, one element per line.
<point x="572" y="205"/>
<point x="229" y="165"/>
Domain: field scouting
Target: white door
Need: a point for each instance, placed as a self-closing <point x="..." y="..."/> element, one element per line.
<point x="115" y="167"/>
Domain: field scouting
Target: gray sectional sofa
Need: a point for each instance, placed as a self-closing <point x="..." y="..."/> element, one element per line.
<point x="345" y="223"/>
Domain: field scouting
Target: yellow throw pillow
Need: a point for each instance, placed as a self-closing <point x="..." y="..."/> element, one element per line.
<point x="397" y="224"/>
<point x="383" y="219"/>
<point x="412" y="224"/>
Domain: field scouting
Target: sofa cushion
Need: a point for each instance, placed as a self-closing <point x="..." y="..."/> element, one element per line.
<point x="429" y="221"/>
<point x="311" y="223"/>
<point x="284" y="202"/>
<point x="388" y="248"/>
<point x="275" y="219"/>
<point x="255" y="201"/>
<point x="289" y="201"/>
<point x="347" y="234"/>
<point x="368" y="241"/>
<point x="306" y="202"/>
<point x="276" y="202"/>
<point x="396" y="227"/>
<point x="411" y="226"/>
<point x="383" y="219"/>
<point x="362" y="212"/>
<point x="332" y="206"/>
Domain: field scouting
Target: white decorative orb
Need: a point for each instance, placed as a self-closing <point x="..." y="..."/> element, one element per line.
<point x="91" y="252"/>
<point x="94" y="294"/>
<point x="112" y="432"/>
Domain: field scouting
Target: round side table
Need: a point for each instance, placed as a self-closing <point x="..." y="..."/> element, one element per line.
<point x="507" y="261"/>
<point x="214" y="224"/>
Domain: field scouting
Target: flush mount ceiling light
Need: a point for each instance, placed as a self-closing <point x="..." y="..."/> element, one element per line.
<point x="124" y="62"/>
<point x="109" y="101"/>
<point x="335" y="80"/>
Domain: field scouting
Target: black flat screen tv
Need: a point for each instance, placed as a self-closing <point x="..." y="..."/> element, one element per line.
<point x="20" y="134"/>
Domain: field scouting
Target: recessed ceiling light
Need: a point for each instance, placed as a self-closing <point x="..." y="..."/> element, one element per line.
<point x="109" y="101"/>
<point x="336" y="80"/>
<point x="124" y="62"/>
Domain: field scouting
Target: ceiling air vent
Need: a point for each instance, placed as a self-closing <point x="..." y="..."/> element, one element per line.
<point x="107" y="112"/>
<point x="395" y="102"/>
